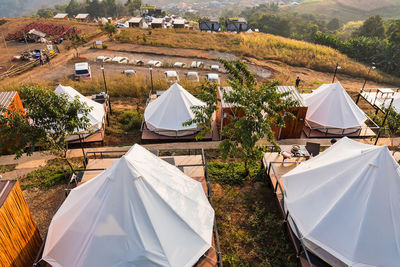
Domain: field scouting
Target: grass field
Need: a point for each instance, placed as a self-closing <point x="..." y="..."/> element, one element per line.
<point x="350" y="10"/>
<point x="259" y="46"/>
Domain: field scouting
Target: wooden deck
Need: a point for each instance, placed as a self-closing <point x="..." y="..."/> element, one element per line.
<point x="273" y="163"/>
<point x="364" y="132"/>
<point x="149" y="137"/>
<point x="209" y="259"/>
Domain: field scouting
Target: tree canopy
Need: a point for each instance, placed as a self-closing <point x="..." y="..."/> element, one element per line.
<point x="49" y="119"/>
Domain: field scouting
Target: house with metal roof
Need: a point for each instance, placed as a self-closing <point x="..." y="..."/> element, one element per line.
<point x="61" y="16"/>
<point x="82" y="17"/>
<point x="236" y="24"/>
<point x="209" y="25"/>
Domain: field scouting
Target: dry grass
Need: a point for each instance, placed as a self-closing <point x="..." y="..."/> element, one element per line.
<point x="118" y="85"/>
<point x="258" y="45"/>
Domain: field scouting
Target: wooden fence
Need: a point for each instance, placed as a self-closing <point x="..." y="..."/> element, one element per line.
<point x="19" y="236"/>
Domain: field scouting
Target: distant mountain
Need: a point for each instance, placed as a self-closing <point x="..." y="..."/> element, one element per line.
<point x="350" y="10"/>
<point x="16" y="8"/>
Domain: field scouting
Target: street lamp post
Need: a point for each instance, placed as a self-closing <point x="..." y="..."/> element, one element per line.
<point x="336" y="69"/>
<point x="151" y="80"/>
<point x="106" y="89"/>
<point x="365" y="81"/>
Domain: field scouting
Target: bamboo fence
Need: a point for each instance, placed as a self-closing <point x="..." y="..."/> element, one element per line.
<point x="19" y="236"/>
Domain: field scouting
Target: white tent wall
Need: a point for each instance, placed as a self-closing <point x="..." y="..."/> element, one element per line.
<point x="142" y="211"/>
<point x="166" y="114"/>
<point x="346" y="202"/>
<point x="96" y="115"/>
<point x="332" y="109"/>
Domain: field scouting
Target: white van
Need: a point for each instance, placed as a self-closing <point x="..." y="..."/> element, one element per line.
<point x="82" y="71"/>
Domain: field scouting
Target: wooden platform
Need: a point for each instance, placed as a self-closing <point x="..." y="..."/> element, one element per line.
<point x="276" y="168"/>
<point x="149" y="137"/>
<point x="97" y="137"/>
<point x="363" y="132"/>
<point x="209" y="259"/>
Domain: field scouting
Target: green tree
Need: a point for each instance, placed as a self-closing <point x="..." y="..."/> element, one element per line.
<point x="45" y="13"/>
<point x="93" y="7"/>
<point x="76" y="42"/>
<point x="263" y="107"/>
<point x="133" y="5"/>
<point x="372" y="27"/>
<point x="48" y="120"/>
<point x="73" y="8"/>
<point x="109" y="7"/>
<point x="333" y="24"/>
<point x="392" y="123"/>
<point x="203" y="114"/>
<point x="110" y="29"/>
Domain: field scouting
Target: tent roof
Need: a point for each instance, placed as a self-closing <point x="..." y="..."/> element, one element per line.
<point x="331" y="106"/>
<point x="171" y="109"/>
<point x="96" y="115"/>
<point x="142" y="211"/>
<point x="347" y="202"/>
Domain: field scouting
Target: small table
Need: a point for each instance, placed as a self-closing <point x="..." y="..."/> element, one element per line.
<point x="303" y="152"/>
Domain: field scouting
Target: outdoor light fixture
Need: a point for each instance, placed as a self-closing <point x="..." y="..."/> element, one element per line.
<point x="336" y="69"/>
<point x="365" y="81"/>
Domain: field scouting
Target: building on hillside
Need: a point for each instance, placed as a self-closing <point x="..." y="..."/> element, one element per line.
<point x="84" y="17"/>
<point x="209" y="25"/>
<point x="178" y="23"/>
<point x="20" y="239"/>
<point x="136" y="22"/>
<point x="157" y="23"/>
<point x="149" y="10"/>
<point x="61" y="16"/>
<point x="236" y="24"/>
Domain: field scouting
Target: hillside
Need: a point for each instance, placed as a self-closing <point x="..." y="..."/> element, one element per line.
<point x="260" y="46"/>
<point x="350" y="10"/>
<point x="15" y="8"/>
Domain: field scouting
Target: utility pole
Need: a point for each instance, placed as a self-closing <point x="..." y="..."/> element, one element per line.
<point x="151" y="79"/>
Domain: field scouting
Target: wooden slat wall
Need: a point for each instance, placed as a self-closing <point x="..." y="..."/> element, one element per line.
<point x="19" y="236"/>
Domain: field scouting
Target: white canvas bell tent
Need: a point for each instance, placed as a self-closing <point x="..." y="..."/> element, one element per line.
<point x="142" y="211"/>
<point x="167" y="113"/>
<point x="346" y="204"/>
<point x="96" y="116"/>
<point x="332" y="109"/>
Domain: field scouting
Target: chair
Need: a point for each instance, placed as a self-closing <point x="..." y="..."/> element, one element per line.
<point x="313" y="148"/>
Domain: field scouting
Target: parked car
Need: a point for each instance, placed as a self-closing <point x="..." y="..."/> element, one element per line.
<point x="214" y="67"/>
<point x="82" y="71"/>
<point x="120" y="25"/>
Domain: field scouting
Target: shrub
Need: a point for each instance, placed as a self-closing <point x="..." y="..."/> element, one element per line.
<point x="104" y="46"/>
<point x="231" y="173"/>
<point x="131" y="120"/>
